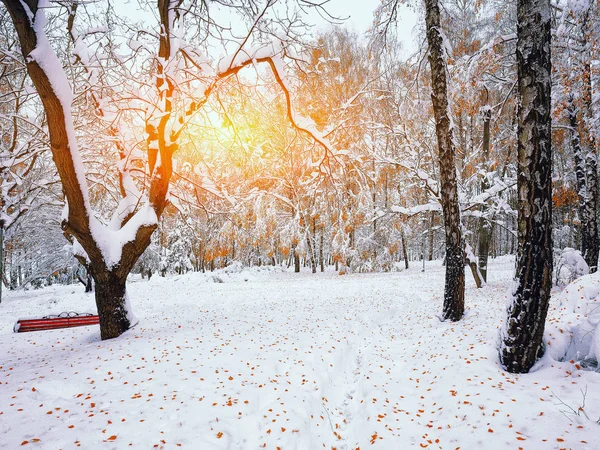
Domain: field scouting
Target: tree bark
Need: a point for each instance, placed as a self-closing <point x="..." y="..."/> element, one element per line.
<point x="484" y="226"/>
<point x="431" y="235"/>
<point x="521" y="338"/>
<point x="404" y="250"/>
<point x="111" y="301"/>
<point x="579" y="176"/>
<point x="591" y="172"/>
<point x="321" y="260"/>
<point x="296" y="258"/>
<point x="89" y="284"/>
<point x="312" y="246"/>
<point x="591" y="162"/>
<point x="473" y="266"/>
<point x="454" y="291"/>
<point x="1" y="256"/>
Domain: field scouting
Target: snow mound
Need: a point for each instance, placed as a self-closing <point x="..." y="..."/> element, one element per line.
<point x="233" y="273"/>
<point x="576" y="333"/>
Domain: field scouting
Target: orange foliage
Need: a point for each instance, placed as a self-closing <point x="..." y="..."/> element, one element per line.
<point x="564" y="196"/>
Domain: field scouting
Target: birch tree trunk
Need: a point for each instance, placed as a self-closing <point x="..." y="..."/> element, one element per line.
<point x="521" y="338"/>
<point x="579" y="175"/>
<point x="591" y="163"/>
<point x="454" y="291"/>
<point x="484" y="225"/>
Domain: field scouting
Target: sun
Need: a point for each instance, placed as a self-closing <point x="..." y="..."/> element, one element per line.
<point x="221" y="127"/>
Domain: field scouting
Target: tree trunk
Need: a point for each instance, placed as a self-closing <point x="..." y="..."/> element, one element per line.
<point x="484" y="226"/>
<point x="470" y="258"/>
<point x="521" y="338"/>
<point x="454" y="291"/>
<point x="591" y="172"/>
<point x="296" y="258"/>
<point x="404" y="251"/>
<point x="311" y="244"/>
<point x="321" y="260"/>
<point x="591" y="163"/>
<point x="89" y="283"/>
<point x="111" y="301"/>
<point x="431" y="234"/>
<point x="1" y="256"/>
<point x="484" y="247"/>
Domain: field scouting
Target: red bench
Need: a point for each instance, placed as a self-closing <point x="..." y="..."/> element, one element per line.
<point x="53" y="322"/>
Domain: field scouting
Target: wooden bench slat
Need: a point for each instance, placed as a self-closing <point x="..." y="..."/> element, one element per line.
<point x="64" y="325"/>
<point x="52" y="323"/>
<point x="59" y="321"/>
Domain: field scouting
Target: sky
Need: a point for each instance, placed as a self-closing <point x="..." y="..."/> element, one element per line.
<point x="359" y="16"/>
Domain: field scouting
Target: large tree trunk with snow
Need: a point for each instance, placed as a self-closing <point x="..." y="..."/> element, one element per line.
<point x="521" y="338"/>
<point x="55" y="91"/>
<point x="111" y="301"/>
<point x="454" y="291"/>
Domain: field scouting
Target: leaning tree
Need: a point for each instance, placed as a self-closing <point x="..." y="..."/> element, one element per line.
<point x="173" y="80"/>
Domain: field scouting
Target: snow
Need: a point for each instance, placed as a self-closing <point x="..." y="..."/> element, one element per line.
<point x="265" y="356"/>
<point x="575" y="333"/>
<point x="112" y="242"/>
<point x="415" y="209"/>
<point x="574" y="263"/>
<point x="242" y="55"/>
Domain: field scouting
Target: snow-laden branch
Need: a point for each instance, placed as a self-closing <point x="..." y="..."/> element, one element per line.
<point x="467" y="207"/>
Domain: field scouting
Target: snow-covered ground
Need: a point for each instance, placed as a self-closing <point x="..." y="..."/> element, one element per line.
<point x="282" y="360"/>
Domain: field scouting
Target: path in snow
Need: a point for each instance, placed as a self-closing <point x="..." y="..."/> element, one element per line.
<point x="283" y="360"/>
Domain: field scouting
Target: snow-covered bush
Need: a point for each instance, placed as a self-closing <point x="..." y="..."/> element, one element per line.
<point x="575" y="335"/>
<point x="570" y="266"/>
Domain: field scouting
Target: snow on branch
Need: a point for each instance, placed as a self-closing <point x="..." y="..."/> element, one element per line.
<point x="47" y="60"/>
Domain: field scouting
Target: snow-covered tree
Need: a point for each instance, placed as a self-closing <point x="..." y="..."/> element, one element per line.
<point x="170" y="77"/>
